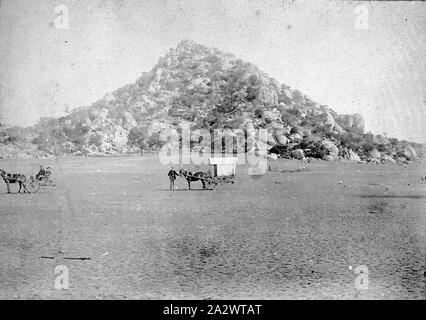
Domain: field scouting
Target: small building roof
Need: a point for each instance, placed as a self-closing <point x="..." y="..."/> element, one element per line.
<point x="223" y="160"/>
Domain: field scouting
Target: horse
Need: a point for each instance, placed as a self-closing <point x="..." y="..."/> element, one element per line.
<point x="14" y="178"/>
<point x="194" y="176"/>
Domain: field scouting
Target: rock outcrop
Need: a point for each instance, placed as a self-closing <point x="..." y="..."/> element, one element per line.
<point x="353" y="123"/>
<point x="387" y="159"/>
<point x="353" y="156"/>
<point x="298" y="154"/>
<point x="328" y="148"/>
<point x="374" y="155"/>
<point x="409" y="153"/>
<point x="208" y="89"/>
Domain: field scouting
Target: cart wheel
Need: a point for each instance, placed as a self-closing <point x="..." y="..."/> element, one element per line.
<point x="33" y="185"/>
<point x="228" y="182"/>
<point x="217" y="183"/>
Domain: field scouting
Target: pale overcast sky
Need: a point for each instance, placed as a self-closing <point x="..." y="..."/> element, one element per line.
<point x="313" y="46"/>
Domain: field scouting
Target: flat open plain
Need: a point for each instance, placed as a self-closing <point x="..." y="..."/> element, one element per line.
<point x="286" y="234"/>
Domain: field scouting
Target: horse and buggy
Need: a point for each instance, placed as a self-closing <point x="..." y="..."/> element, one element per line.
<point x="31" y="185"/>
<point x="223" y="174"/>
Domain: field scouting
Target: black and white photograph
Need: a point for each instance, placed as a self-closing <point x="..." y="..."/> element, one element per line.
<point x="212" y="150"/>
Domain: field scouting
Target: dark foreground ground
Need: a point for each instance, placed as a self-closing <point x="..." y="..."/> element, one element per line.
<point x="297" y="235"/>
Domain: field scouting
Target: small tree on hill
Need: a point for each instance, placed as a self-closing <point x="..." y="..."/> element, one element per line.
<point x="137" y="137"/>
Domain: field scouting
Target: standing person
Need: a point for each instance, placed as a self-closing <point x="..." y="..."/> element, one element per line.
<point x="172" y="176"/>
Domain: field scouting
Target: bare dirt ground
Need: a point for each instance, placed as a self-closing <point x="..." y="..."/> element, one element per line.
<point x="287" y="234"/>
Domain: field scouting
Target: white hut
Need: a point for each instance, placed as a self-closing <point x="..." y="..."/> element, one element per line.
<point x="223" y="166"/>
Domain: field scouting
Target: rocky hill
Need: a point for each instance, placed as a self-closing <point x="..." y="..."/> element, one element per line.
<point x="209" y="89"/>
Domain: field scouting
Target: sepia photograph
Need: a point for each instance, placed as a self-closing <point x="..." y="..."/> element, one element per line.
<point x="212" y="150"/>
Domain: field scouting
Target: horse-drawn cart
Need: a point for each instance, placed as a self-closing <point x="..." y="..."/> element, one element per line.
<point x="34" y="184"/>
<point x="224" y="169"/>
<point x="223" y="174"/>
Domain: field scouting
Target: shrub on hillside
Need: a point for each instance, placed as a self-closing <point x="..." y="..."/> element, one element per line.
<point x="259" y="113"/>
<point x="137" y="136"/>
